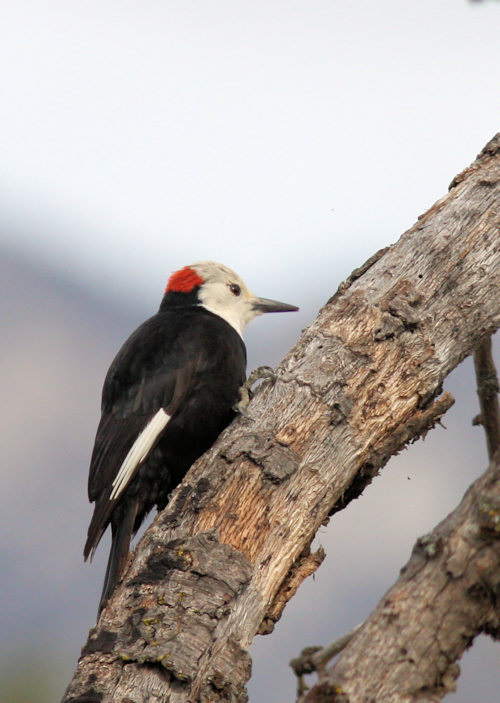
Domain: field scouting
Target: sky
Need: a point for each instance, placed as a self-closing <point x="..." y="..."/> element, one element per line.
<point x="289" y="140"/>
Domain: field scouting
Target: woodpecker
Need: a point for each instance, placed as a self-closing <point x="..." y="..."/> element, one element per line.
<point x="170" y="391"/>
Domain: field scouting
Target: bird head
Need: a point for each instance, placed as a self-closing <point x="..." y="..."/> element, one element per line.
<point x="221" y="291"/>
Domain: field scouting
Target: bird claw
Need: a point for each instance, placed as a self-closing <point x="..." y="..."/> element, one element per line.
<point x="265" y="373"/>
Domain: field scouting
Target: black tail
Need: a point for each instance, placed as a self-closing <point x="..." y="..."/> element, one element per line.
<point x="122" y="527"/>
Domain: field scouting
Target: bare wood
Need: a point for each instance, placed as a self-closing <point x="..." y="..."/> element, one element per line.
<point x="446" y="595"/>
<point x="350" y="393"/>
<point x="487" y="390"/>
<point x="303" y="567"/>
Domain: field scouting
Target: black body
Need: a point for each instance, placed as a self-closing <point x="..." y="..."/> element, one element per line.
<point x="191" y="363"/>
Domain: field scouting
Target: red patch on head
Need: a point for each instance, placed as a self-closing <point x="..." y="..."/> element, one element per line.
<point x="183" y="281"/>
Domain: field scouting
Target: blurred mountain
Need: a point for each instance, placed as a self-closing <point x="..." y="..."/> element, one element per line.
<point x="57" y="342"/>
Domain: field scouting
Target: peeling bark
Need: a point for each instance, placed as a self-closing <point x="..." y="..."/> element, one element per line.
<point x="362" y="381"/>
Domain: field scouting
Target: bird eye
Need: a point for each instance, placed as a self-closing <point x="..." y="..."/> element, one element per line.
<point x="234" y="288"/>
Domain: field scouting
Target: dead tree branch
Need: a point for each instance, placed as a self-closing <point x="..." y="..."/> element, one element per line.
<point x="353" y="391"/>
<point x="446" y="595"/>
<point x="316" y="658"/>
<point x="487" y="390"/>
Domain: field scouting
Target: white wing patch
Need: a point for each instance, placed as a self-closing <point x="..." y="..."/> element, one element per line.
<point x="139" y="451"/>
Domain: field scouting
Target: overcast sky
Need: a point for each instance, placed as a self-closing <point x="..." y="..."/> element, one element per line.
<point x="287" y="139"/>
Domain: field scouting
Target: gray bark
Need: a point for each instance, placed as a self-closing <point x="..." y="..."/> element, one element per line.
<point x="446" y="595"/>
<point x="221" y="561"/>
<point x="487" y="390"/>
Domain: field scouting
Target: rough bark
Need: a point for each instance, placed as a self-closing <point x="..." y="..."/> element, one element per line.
<point x="361" y="382"/>
<point x="487" y="390"/>
<point x="447" y="594"/>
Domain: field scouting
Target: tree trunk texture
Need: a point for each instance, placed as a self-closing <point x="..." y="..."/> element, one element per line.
<point x="220" y="562"/>
<point x="446" y="595"/>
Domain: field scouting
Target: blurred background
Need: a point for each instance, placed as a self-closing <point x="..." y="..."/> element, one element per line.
<point x="289" y="140"/>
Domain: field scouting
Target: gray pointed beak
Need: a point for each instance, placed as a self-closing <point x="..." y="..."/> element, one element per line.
<point x="266" y="305"/>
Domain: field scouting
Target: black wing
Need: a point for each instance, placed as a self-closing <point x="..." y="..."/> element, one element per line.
<point x="158" y="367"/>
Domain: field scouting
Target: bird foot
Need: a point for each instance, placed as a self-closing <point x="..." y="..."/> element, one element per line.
<point x="265" y="373"/>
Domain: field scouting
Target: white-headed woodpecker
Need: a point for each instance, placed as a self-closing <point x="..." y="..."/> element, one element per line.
<point x="170" y="391"/>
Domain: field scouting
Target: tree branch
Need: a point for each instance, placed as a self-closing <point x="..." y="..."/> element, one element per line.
<point x="316" y="658"/>
<point x="446" y="595"/>
<point x="207" y="571"/>
<point x="487" y="390"/>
